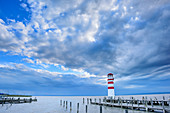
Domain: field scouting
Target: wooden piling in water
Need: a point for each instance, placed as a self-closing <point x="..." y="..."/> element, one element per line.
<point x="66" y="104"/>
<point x="61" y="102"/>
<point x="100" y="109"/>
<point x="126" y="111"/>
<point x="77" y="107"/>
<point x="70" y="106"/>
<point x="86" y="108"/>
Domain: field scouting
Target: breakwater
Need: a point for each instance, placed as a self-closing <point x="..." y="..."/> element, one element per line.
<point x="16" y="100"/>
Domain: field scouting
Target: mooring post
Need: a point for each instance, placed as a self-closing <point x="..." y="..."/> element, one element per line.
<point x="90" y="100"/>
<point x="163" y="107"/>
<point x="70" y="106"/>
<point x="95" y="99"/>
<point x="138" y="102"/>
<point x="77" y="107"/>
<point x="60" y="102"/>
<point x="132" y="103"/>
<point x="87" y="100"/>
<point x="66" y="104"/>
<point x="126" y="111"/>
<point x="151" y="102"/>
<point x="99" y="100"/>
<point x="121" y="102"/>
<point x="86" y="108"/>
<point x="100" y="109"/>
<point x="169" y="102"/>
<point x="146" y="105"/>
<point x="83" y="100"/>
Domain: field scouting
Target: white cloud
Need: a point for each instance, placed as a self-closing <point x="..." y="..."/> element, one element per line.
<point x="134" y="86"/>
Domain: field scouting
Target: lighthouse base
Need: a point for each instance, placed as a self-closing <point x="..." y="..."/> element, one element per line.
<point x="111" y="93"/>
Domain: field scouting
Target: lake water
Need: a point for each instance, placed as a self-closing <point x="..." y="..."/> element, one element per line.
<point x="51" y="104"/>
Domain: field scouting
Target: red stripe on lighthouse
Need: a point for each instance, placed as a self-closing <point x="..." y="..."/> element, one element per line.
<point x="110" y="87"/>
<point x="110" y="82"/>
<point x="110" y="79"/>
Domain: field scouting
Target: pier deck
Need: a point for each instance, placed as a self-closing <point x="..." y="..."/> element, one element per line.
<point x="148" y="105"/>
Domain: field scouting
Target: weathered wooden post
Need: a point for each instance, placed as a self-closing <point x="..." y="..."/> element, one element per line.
<point x="77" y="107"/>
<point x="70" y="106"/>
<point x="169" y="102"/>
<point x="61" y="102"/>
<point x="87" y="100"/>
<point x="151" y="102"/>
<point x="83" y="100"/>
<point x="95" y="100"/>
<point x="126" y="111"/>
<point x="100" y="109"/>
<point x="146" y="105"/>
<point x="66" y="104"/>
<point x="90" y="100"/>
<point x="99" y="100"/>
<point x="163" y="107"/>
<point x="121" y="102"/>
<point x="132" y="104"/>
<point x="86" y="108"/>
<point x="163" y="97"/>
<point x="138" y="102"/>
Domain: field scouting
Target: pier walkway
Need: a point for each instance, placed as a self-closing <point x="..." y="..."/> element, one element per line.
<point x="147" y="105"/>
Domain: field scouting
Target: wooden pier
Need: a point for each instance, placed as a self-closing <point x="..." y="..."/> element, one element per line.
<point x="144" y="104"/>
<point x="16" y="100"/>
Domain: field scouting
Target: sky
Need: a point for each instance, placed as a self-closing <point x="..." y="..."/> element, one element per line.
<point x="67" y="47"/>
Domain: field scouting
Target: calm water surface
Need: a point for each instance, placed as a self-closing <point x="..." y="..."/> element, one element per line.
<point x="51" y="104"/>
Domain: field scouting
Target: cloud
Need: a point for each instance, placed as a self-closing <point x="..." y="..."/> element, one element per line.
<point x="134" y="86"/>
<point x="38" y="81"/>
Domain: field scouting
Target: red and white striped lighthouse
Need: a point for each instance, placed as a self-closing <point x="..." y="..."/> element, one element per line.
<point x="111" y="92"/>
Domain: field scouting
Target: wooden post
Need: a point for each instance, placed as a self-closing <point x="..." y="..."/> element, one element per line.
<point x="100" y="109"/>
<point x="66" y="104"/>
<point x="99" y="100"/>
<point x="61" y="102"/>
<point x="121" y="102"/>
<point x="163" y="107"/>
<point x="87" y="100"/>
<point x="86" y="108"/>
<point x="138" y="102"/>
<point x="132" y="103"/>
<point x="70" y="106"/>
<point x="146" y="105"/>
<point x="95" y="99"/>
<point x="77" y="107"/>
<point x="83" y="100"/>
<point x="151" y="102"/>
<point x="90" y="101"/>
<point x="126" y="111"/>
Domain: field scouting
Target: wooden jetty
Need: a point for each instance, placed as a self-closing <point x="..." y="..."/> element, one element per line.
<point x="144" y="104"/>
<point x="16" y="100"/>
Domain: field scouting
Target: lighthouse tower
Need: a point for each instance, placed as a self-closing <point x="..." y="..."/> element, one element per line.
<point x="111" y="92"/>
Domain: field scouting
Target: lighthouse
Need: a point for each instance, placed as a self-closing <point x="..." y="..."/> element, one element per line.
<point x="111" y="92"/>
